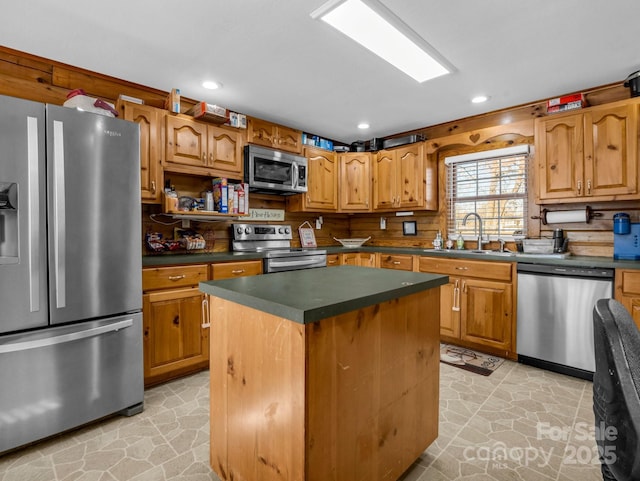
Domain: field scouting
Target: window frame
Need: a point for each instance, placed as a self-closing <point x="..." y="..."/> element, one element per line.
<point x="453" y="225"/>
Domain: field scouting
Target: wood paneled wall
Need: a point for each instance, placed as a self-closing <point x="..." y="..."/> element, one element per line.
<point x="35" y="78"/>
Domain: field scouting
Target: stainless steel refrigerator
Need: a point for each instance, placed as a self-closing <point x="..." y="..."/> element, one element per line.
<point x="70" y="270"/>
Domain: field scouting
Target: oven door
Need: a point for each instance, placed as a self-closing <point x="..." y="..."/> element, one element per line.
<point x="293" y="263"/>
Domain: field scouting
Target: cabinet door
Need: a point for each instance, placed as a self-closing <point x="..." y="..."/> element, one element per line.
<point x="410" y="176"/>
<point x="384" y="180"/>
<point x="150" y="121"/>
<point x="261" y="132"/>
<point x="350" y="259"/>
<point x="611" y="155"/>
<point x="186" y="142"/>
<point x="322" y="189"/>
<point x="355" y="182"/>
<point x="333" y="260"/>
<point x="224" y="147"/>
<point x="486" y="312"/>
<point x="559" y="149"/>
<point x="450" y="308"/>
<point x="174" y="339"/>
<point x="289" y="139"/>
<point x="367" y="259"/>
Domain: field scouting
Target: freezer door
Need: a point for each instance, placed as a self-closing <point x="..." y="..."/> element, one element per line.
<point x="93" y="176"/>
<point x="23" y="250"/>
<point x="59" y="378"/>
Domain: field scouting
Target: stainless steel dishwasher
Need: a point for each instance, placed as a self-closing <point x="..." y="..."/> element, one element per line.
<point x="555" y="316"/>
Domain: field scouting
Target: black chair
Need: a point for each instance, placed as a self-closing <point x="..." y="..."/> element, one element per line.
<point x="616" y="384"/>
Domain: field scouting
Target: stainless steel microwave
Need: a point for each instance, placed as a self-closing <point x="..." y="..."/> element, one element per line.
<point x="274" y="171"/>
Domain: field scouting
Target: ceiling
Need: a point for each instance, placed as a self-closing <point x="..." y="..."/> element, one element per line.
<point x="279" y="64"/>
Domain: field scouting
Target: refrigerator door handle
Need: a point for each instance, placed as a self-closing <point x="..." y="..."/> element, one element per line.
<point x="73" y="336"/>
<point x="33" y="225"/>
<point x="59" y="220"/>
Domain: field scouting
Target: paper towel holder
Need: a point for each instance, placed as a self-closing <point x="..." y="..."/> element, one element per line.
<point x="587" y="212"/>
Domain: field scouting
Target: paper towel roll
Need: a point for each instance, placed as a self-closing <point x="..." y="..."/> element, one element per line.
<point x="564" y="216"/>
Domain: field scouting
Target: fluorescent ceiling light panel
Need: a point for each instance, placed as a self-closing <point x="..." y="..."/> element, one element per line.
<point x="376" y="28"/>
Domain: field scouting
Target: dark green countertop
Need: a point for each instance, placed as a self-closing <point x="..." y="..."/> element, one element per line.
<point x="310" y="295"/>
<point x="576" y="261"/>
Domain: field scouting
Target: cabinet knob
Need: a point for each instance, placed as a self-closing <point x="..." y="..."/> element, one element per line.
<point x="589" y="186"/>
<point x="579" y="187"/>
<point x="176" y="321"/>
<point x="153" y="187"/>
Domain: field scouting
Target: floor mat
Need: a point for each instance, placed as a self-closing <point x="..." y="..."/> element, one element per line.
<point x="469" y="360"/>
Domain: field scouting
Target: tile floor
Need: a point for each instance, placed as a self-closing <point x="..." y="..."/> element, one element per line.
<point x="520" y="423"/>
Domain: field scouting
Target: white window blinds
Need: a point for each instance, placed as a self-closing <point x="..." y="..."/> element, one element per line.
<point x="494" y="185"/>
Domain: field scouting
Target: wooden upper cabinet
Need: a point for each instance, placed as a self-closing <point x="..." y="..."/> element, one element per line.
<point x="589" y="155"/>
<point x="150" y="121"/>
<point x="261" y="132"/>
<point x="186" y="142"/>
<point x="203" y="149"/>
<point x="611" y="150"/>
<point x="225" y="150"/>
<point x="398" y="178"/>
<point x="322" y="183"/>
<point x="355" y="182"/>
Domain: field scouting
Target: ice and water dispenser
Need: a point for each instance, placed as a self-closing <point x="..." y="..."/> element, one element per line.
<point x="8" y="223"/>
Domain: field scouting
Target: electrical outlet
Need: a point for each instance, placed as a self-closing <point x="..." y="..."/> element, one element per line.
<point x="383" y="223"/>
<point x="318" y="223"/>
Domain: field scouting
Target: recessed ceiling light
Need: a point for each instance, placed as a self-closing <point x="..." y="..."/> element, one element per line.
<point x="479" y="99"/>
<point x="211" y="85"/>
<point x="376" y="28"/>
<point x="363" y="125"/>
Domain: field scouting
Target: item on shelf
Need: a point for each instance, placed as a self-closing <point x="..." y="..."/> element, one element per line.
<point x="185" y="203"/>
<point x="133" y="100"/>
<point x="237" y="120"/>
<point x="78" y="99"/>
<point x="209" y="113"/>
<point x="352" y="242"/>
<point x="633" y="83"/>
<point x="398" y="141"/>
<point x="220" y="195"/>
<point x="567" y="99"/>
<point x="537" y="246"/>
<point x="172" y="102"/>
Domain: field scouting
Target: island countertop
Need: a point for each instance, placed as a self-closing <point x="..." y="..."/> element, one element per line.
<point x="309" y="295"/>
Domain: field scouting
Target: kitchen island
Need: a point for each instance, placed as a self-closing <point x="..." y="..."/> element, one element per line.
<point x="323" y="374"/>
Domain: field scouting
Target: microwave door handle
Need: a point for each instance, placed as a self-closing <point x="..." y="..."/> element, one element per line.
<point x="294" y="182"/>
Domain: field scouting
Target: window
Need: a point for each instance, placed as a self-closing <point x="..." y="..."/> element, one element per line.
<point x="494" y="185"/>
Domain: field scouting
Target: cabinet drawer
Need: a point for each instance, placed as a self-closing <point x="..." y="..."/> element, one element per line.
<point x="176" y="276"/>
<point x="468" y="268"/>
<point x="229" y="270"/>
<point x="396" y="261"/>
<point x="333" y="260"/>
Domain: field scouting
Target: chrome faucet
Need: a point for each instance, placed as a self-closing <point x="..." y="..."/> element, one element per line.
<point x="464" y="221"/>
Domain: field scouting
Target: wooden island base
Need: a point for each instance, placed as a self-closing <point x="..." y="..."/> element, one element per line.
<point x="350" y="397"/>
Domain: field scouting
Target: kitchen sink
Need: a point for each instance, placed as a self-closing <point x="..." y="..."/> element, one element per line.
<point x="473" y="252"/>
<point x="492" y="252"/>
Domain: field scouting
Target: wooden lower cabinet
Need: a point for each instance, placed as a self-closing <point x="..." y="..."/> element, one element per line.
<point x="362" y="259"/>
<point x="402" y="262"/>
<point x="176" y="342"/>
<point x="627" y="291"/>
<point x="477" y="307"/>
<point x="333" y="260"/>
<point x="175" y="324"/>
<point x="175" y="335"/>
<point x="229" y="270"/>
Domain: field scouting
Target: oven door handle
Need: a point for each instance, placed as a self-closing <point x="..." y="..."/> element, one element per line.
<point x="274" y="263"/>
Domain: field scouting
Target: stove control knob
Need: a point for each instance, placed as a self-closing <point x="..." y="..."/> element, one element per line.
<point x="239" y="230"/>
<point x="287" y="230"/>
<point x="247" y="230"/>
<point x="281" y="230"/>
